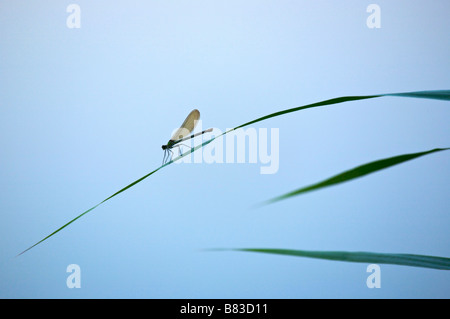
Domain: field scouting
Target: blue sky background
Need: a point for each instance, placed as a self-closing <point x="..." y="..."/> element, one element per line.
<point x="84" y="112"/>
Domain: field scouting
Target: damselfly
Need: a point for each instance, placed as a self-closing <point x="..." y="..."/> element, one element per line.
<point x="182" y="133"/>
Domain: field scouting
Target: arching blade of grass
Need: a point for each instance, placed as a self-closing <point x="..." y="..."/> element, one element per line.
<point x="442" y="263"/>
<point x="440" y="95"/>
<point x="355" y="173"/>
<point x="308" y="106"/>
<point x="117" y="193"/>
<point x="435" y="95"/>
<point x="92" y="208"/>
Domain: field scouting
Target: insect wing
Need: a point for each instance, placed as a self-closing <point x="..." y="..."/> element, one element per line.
<point x="188" y="125"/>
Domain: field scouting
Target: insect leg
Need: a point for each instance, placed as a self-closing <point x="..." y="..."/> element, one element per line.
<point x="165" y="152"/>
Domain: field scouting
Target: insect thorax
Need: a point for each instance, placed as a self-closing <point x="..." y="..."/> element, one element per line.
<point x="168" y="145"/>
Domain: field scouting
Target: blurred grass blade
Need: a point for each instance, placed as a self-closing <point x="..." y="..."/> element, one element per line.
<point x="436" y="95"/>
<point x="440" y="95"/>
<point x="411" y="260"/>
<point x="355" y="173"/>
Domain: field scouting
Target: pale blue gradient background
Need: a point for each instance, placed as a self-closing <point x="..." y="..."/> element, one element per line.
<point x="84" y="113"/>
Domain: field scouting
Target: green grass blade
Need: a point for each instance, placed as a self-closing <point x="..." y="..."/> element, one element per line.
<point x="92" y="208"/>
<point x="299" y="108"/>
<point x="60" y="228"/>
<point x="436" y="95"/>
<point x="442" y="263"/>
<point x="118" y="192"/>
<point x="441" y="95"/>
<point x="356" y="173"/>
